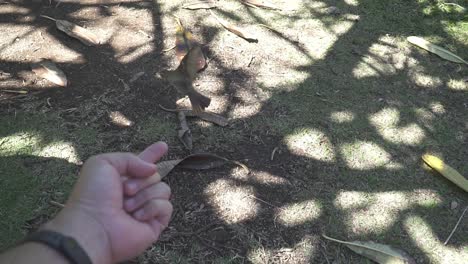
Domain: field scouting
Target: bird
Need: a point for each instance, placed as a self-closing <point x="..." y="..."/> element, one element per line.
<point x="182" y="78"/>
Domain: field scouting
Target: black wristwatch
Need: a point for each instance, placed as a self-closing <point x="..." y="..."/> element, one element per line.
<point x="65" y="245"/>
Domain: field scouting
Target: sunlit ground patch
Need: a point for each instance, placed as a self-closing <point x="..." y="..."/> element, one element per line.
<point x="233" y="203"/>
<point x="311" y="143"/>
<point x="375" y="213"/>
<point x="298" y="213"/>
<point x="364" y="155"/>
<point x="422" y="235"/>
<point x="300" y="253"/>
<point x="387" y="122"/>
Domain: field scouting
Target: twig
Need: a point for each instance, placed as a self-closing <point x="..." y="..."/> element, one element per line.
<point x="168" y="49"/>
<point x="242" y="165"/>
<point x="263" y="201"/>
<point x="184" y="133"/>
<point x="204" y="241"/>
<point x="14" y="91"/>
<point x="48" y="17"/>
<point x="456" y="5"/>
<point x="273" y="153"/>
<point x="456" y="226"/>
<point x="144" y="33"/>
<point x="57" y="204"/>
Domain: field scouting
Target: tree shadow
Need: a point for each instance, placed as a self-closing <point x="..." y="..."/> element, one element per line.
<point x="366" y="161"/>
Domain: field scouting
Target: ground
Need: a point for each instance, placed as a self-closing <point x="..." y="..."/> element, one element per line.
<point x="331" y="111"/>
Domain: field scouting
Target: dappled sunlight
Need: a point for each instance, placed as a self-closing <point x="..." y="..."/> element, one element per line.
<point x="61" y="150"/>
<point x="27" y="143"/>
<point x="366" y="155"/>
<point x="311" y="143"/>
<point x="437" y="108"/>
<point x="232" y="203"/>
<point x="11" y="9"/>
<point x="382" y="59"/>
<point x="425" y="80"/>
<point x="386" y="122"/>
<point x="376" y="212"/>
<point x="19" y="143"/>
<point x="298" y="213"/>
<point x="352" y="2"/>
<point x="300" y="253"/>
<point x="422" y="235"/>
<point x="342" y="117"/>
<point x="261" y="177"/>
<point x="458" y="85"/>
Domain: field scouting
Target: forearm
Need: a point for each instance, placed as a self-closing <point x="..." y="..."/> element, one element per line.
<point x="76" y="224"/>
<point x="32" y="252"/>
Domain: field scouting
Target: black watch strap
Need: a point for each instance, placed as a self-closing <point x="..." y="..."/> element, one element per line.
<point x="65" y="245"/>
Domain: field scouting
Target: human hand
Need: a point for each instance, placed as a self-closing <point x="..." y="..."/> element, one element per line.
<point x="118" y="207"/>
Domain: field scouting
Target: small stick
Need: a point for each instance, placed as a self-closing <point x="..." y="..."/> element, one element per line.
<point x="14" y="91"/>
<point x="456" y="226"/>
<point x="168" y="49"/>
<point x="273" y="153"/>
<point x="242" y="165"/>
<point x="57" y="204"/>
<point x="263" y="201"/>
<point x="48" y="17"/>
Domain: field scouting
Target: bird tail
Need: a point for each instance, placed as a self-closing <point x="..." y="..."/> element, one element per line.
<point x="199" y="101"/>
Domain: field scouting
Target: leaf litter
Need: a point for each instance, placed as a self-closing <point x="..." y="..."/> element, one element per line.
<point x="200" y="161"/>
<point x="48" y="70"/>
<point x="439" y="51"/>
<point x="377" y="252"/>
<point x="82" y="34"/>
<point x="235" y="29"/>
<point x="260" y="3"/>
<point x="445" y="170"/>
<point x="206" y="4"/>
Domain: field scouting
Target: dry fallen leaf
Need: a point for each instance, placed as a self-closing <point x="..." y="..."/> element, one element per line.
<point x="446" y="171"/>
<point x="202" y="161"/>
<point x="206" y="4"/>
<point x="379" y="253"/>
<point x="48" y="70"/>
<point x="260" y="3"/>
<point x="118" y="119"/>
<point x="82" y="34"/>
<point x="184" y="133"/>
<point x="441" y="52"/>
<point x="207" y="116"/>
<point x="236" y="30"/>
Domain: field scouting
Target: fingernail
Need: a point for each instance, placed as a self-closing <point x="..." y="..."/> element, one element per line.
<point x="139" y="214"/>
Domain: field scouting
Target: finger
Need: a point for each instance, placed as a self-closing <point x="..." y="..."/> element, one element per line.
<point x="158" y="209"/>
<point x="154" y="152"/>
<point x="132" y="186"/>
<point x="157" y="191"/>
<point x="156" y="226"/>
<point x="127" y="164"/>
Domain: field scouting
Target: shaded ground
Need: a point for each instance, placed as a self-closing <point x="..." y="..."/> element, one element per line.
<point x="349" y="104"/>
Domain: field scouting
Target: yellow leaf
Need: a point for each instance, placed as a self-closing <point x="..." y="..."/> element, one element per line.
<point x="446" y="171"/>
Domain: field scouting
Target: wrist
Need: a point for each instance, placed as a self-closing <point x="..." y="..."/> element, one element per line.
<point x="86" y="230"/>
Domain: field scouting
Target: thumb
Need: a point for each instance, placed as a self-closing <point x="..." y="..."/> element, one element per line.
<point x="129" y="164"/>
